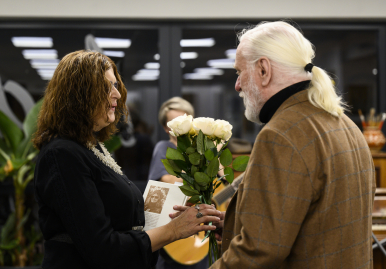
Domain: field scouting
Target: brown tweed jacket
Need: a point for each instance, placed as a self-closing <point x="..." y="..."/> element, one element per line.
<point x="307" y="196"/>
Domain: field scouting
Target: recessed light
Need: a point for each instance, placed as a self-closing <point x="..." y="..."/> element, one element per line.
<point x="209" y="71"/>
<point x="44" y="63"/>
<point x="221" y="63"/>
<point x="148" y="72"/>
<point x="103" y="42"/>
<point x="157" y="57"/>
<point x="141" y="77"/>
<point x="40" y="54"/>
<point x="203" y="42"/>
<point x="32" y="42"/>
<point x="188" y="55"/>
<point x="152" y="65"/>
<point x="231" y="53"/>
<point x="112" y="53"/>
<point x="197" y="76"/>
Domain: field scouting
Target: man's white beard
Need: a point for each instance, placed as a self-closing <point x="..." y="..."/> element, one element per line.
<point x="253" y="101"/>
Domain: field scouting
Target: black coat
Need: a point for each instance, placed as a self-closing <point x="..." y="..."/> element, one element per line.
<point x="80" y="196"/>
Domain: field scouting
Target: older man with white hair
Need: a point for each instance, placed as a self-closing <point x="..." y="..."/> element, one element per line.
<point x="307" y="195"/>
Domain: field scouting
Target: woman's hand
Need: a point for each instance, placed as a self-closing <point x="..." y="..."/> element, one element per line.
<point x="186" y="223"/>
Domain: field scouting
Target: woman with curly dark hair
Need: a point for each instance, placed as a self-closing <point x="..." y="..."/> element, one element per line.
<point x="90" y="213"/>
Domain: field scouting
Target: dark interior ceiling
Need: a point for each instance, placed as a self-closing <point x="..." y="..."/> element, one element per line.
<point x="143" y="47"/>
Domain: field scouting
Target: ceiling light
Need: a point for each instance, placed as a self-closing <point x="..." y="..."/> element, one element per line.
<point x="231" y="54"/>
<point x="44" y="63"/>
<point x="197" y="76"/>
<point x="188" y="55"/>
<point x="157" y="57"/>
<point x="221" y="63"/>
<point x="112" y="53"/>
<point x="148" y="72"/>
<point x="47" y="72"/>
<point x="112" y="42"/>
<point x="209" y="71"/>
<point x="152" y="65"/>
<point x="32" y="42"/>
<point x="140" y="77"/>
<point x="204" y="42"/>
<point x="40" y="54"/>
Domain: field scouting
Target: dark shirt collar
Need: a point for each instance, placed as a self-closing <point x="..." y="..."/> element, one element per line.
<point x="270" y="107"/>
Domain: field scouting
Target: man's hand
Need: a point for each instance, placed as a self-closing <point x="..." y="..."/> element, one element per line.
<point x="219" y="225"/>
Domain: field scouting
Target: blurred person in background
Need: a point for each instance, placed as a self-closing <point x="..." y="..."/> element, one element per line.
<point x="135" y="153"/>
<point x="169" y="110"/>
<point x="91" y="215"/>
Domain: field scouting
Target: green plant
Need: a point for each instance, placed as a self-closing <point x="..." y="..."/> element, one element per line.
<point x="17" y="163"/>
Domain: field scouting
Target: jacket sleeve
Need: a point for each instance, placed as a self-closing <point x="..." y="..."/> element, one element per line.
<point x="272" y="203"/>
<point x="68" y="186"/>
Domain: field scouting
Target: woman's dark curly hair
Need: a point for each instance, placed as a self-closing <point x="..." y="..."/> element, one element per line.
<point x="76" y="95"/>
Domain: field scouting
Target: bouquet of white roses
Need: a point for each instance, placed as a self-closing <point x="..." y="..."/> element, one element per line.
<point x="197" y="160"/>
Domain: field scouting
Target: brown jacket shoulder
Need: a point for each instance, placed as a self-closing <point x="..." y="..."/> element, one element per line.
<point x="307" y="195"/>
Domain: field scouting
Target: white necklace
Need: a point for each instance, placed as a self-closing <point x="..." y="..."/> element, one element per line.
<point x="105" y="158"/>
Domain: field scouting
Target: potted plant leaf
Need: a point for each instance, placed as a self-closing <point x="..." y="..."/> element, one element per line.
<point x="17" y="243"/>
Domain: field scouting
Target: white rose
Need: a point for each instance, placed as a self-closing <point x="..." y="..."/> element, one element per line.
<point x="180" y="125"/>
<point x="223" y="129"/>
<point x="206" y="125"/>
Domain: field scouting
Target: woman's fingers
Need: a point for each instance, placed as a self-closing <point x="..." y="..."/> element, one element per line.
<point x="180" y="207"/>
<point x="175" y="214"/>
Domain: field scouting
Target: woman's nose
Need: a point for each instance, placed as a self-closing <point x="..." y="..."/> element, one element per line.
<point x="238" y="85"/>
<point x="115" y="93"/>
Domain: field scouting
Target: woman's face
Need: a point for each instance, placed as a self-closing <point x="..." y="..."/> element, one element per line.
<point x="114" y="96"/>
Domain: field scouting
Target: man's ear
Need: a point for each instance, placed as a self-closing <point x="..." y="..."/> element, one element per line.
<point x="264" y="70"/>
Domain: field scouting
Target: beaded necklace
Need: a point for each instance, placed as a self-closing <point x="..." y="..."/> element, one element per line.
<point x="105" y="158"/>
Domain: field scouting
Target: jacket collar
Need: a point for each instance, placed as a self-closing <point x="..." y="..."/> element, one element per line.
<point x="282" y="99"/>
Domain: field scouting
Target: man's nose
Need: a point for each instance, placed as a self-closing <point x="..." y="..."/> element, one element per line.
<point x="237" y="85"/>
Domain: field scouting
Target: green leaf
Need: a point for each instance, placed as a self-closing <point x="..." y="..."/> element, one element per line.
<point x="194" y="199"/>
<point x="188" y="178"/>
<point x="197" y="186"/>
<point x="194" y="169"/>
<point x="24" y="147"/>
<point x="226" y="157"/>
<point x="209" y="143"/>
<point x="183" y="165"/>
<point x="209" y="155"/>
<point x="8" y="231"/>
<point x="240" y="163"/>
<point x="190" y="150"/>
<point x="188" y="191"/>
<point x="217" y="185"/>
<point x="200" y="142"/>
<point x="183" y="142"/>
<point x="9" y="246"/>
<point x="10" y="131"/>
<point x="174" y="154"/>
<point x="174" y="166"/>
<point x="31" y="120"/>
<point x="229" y="174"/>
<point x="201" y="178"/>
<point x="113" y="143"/>
<point x="194" y="158"/>
<point x="213" y="168"/>
<point x="168" y="167"/>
